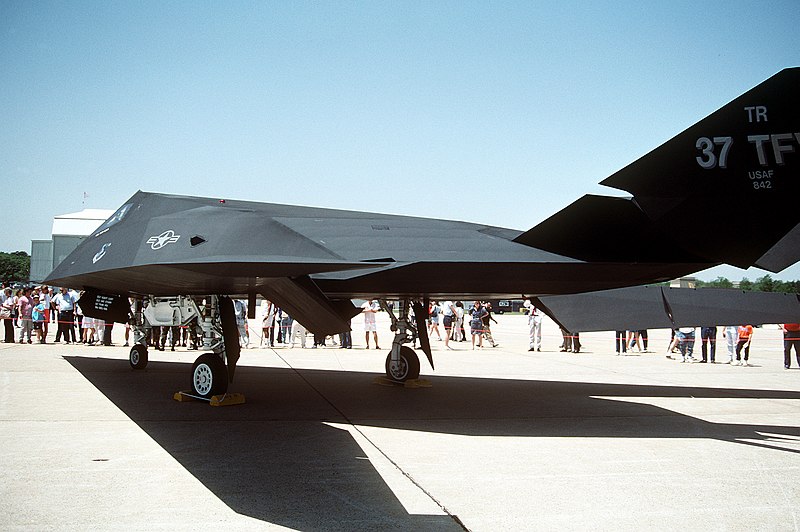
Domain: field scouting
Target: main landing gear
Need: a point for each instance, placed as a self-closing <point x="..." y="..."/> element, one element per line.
<point x="402" y="362"/>
<point x="210" y="374"/>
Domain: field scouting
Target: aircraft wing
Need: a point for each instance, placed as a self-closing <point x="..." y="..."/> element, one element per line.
<point x="658" y="307"/>
<point x="313" y="261"/>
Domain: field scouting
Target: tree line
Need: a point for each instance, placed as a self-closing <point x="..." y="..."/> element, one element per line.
<point x="762" y="284"/>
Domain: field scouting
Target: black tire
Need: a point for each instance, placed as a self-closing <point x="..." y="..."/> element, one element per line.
<point x="138" y="356"/>
<point x="209" y="376"/>
<point x="407" y="369"/>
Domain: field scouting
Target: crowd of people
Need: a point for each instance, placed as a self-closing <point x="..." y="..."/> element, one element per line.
<point x="737" y="339"/>
<point x="32" y="311"/>
<point x="277" y="326"/>
<point x="452" y="316"/>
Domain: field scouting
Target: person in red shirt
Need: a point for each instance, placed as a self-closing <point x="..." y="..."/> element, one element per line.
<point x="791" y="337"/>
<point x="745" y="335"/>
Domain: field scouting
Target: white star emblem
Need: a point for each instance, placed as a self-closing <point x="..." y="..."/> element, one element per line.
<point x="167" y="237"/>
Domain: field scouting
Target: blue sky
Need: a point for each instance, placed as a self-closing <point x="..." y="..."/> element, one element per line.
<point x="493" y="112"/>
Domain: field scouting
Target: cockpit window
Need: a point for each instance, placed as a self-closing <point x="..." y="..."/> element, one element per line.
<point x="115" y="219"/>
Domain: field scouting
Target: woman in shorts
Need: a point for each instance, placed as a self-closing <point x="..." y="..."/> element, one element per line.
<point x="477" y="312"/>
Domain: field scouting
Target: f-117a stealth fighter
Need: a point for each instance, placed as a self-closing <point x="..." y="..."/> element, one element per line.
<point x="723" y="191"/>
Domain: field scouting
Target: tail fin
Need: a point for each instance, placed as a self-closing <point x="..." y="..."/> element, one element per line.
<point x="724" y="190"/>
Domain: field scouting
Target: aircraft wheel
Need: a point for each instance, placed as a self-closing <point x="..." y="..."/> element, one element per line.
<point x="406" y="368"/>
<point x="138" y="356"/>
<point x="209" y="376"/>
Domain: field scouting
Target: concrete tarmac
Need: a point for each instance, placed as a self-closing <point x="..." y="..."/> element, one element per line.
<point x="504" y="439"/>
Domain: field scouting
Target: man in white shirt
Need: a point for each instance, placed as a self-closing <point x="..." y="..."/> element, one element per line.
<point x="534" y="326"/>
<point x="65" y="305"/>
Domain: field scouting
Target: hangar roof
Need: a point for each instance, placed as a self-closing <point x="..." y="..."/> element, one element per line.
<point x="80" y="223"/>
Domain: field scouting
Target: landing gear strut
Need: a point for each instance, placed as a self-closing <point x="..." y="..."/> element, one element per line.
<point x="209" y="371"/>
<point x="402" y="363"/>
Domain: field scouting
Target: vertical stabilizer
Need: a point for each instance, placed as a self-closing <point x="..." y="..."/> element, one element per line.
<point x="724" y="190"/>
<point x="727" y="187"/>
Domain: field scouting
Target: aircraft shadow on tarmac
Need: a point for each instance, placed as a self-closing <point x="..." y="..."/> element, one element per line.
<point x="275" y="458"/>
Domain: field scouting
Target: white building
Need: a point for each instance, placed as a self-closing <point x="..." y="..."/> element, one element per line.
<point x="69" y="230"/>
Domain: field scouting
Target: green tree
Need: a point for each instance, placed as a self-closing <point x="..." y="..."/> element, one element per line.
<point x="719" y="282"/>
<point x="791" y="287"/>
<point x="764" y="284"/>
<point x="746" y="284"/>
<point x="15" y="266"/>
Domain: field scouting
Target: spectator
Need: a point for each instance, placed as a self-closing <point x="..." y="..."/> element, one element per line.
<point x="576" y="342"/>
<point x="268" y="323"/>
<point x="571" y="342"/>
<point x="87" y="336"/>
<point x="298" y="330"/>
<point x="745" y="336"/>
<point x="38" y="315"/>
<point x="448" y="318"/>
<point x="286" y="327"/>
<point x="240" y="309"/>
<point x="643" y="336"/>
<point x="278" y="318"/>
<point x="345" y="340"/>
<point x="458" y="328"/>
<point x="731" y="335"/>
<point x="8" y="305"/>
<point x="477" y="313"/>
<point x="64" y="303"/>
<point x="433" y="313"/>
<point x="100" y="331"/>
<point x="566" y="341"/>
<point x="79" y="315"/>
<point x="46" y="297"/>
<point x="108" y="327"/>
<point x="24" y="310"/>
<point x="370" y="326"/>
<point x="708" y="335"/>
<point x="620" y="343"/>
<point x="685" y="336"/>
<point x="534" y="326"/>
<point x="487" y="330"/>
<point x="791" y="338"/>
<point x="173" y="331"/>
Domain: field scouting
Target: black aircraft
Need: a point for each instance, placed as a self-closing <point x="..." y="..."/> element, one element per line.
<point x="723" y="191"/>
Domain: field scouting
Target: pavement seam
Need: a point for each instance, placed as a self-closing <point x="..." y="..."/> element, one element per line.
<point x="347" y="419"/>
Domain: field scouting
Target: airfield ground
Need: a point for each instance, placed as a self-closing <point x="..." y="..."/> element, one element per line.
<point x="504" y="439"/>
